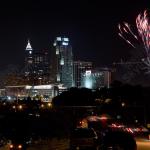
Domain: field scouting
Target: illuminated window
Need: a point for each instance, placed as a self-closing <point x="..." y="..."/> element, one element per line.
<point x="57" y="51"/>
<point x="88" y="73"/>
<point x="62" y="61"/>
<point x="64" y="43"/>
<point x="30" y="61"/>
<point x="30" y="52"/>
<point x="66" y="39"/>
<point x="58" y="77"/>
<point x="58" y="38"/>
<point x="54" y="44"/>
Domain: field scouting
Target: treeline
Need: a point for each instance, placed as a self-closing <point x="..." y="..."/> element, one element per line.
<point x="117" y="93"/>
<point x="121" y="100"/>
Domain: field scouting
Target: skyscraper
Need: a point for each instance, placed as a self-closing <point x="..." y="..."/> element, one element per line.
<point x="41" y="66"/>
<point x="62" y="62"/>
<point x="79" y="68"/>
<point x="28" y="54"/>
<point x="29" y="60"/>
<point x="36" y="68"/>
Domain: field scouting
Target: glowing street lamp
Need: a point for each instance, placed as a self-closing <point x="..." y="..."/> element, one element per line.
<point x="49" y="104"/>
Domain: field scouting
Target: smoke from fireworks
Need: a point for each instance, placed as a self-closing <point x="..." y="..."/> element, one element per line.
<point x="141" y="36"/>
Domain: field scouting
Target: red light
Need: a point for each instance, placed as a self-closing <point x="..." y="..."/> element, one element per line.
<point x="129" y="130"/>
<point x="19" y="146"/>
<point x="103" y="118"/>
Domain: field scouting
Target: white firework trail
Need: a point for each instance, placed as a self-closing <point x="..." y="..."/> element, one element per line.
<point x="141" y="37"/>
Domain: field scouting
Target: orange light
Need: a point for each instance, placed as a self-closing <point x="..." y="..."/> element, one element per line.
<point x="19" y="146"/>
<point x="11" y="146"/>
<point x="42" y="105"/>
<point x="103" y="118"/>
<point x="14" y="107"/>
<point x="49" y="104"/>
<point x="20" y="106"/>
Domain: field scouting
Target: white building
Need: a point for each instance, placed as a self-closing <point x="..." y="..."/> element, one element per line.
<point x="96" y="78"/>
<point x="44" y="92"/>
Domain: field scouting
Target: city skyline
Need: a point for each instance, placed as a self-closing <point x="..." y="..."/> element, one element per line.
<point x="90" y="26"/>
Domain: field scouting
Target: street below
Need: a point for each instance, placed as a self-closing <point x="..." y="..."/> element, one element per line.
<point x="143" y="144"/>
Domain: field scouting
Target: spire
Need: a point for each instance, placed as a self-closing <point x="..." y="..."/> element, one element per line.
<point x="29" y="48"/>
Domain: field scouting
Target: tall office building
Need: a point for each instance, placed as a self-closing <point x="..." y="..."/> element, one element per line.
<point x="36" y="66"/>
<point x="29" y="60"/>
<point x="41" y="66"/>
<point x="62" y="62"/>
<point x="79" y="68"/>
<point x="28" y="54"/>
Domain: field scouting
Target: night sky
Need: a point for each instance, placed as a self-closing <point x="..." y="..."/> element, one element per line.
<point x="90" y="25"/>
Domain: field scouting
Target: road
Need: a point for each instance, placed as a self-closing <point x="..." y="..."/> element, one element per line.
<point x="143" y="144"/>
<point x="47" y="144"/>
<point x="63" y="144"/>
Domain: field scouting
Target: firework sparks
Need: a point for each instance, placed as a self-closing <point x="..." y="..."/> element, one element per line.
<point x="143" y="32"/>
<point x="140" y="37"/>
<point x="126" y="40"/>
<point x="143" y="26"/>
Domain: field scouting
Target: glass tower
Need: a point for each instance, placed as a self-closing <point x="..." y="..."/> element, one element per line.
<point x="63" y="62"/>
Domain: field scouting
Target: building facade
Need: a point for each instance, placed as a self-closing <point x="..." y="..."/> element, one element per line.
<point x="37" y="66"/>
<point x="62" y="62"/>
<point x="96" y="78"/>
<point x="44" y="92"/>
<point x="28" y="59"/>
<point x="79" y="68"/>
<point x="42" y="67"/>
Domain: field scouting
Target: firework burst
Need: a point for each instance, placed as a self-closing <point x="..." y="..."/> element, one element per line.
<point x="140" y="37"/>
